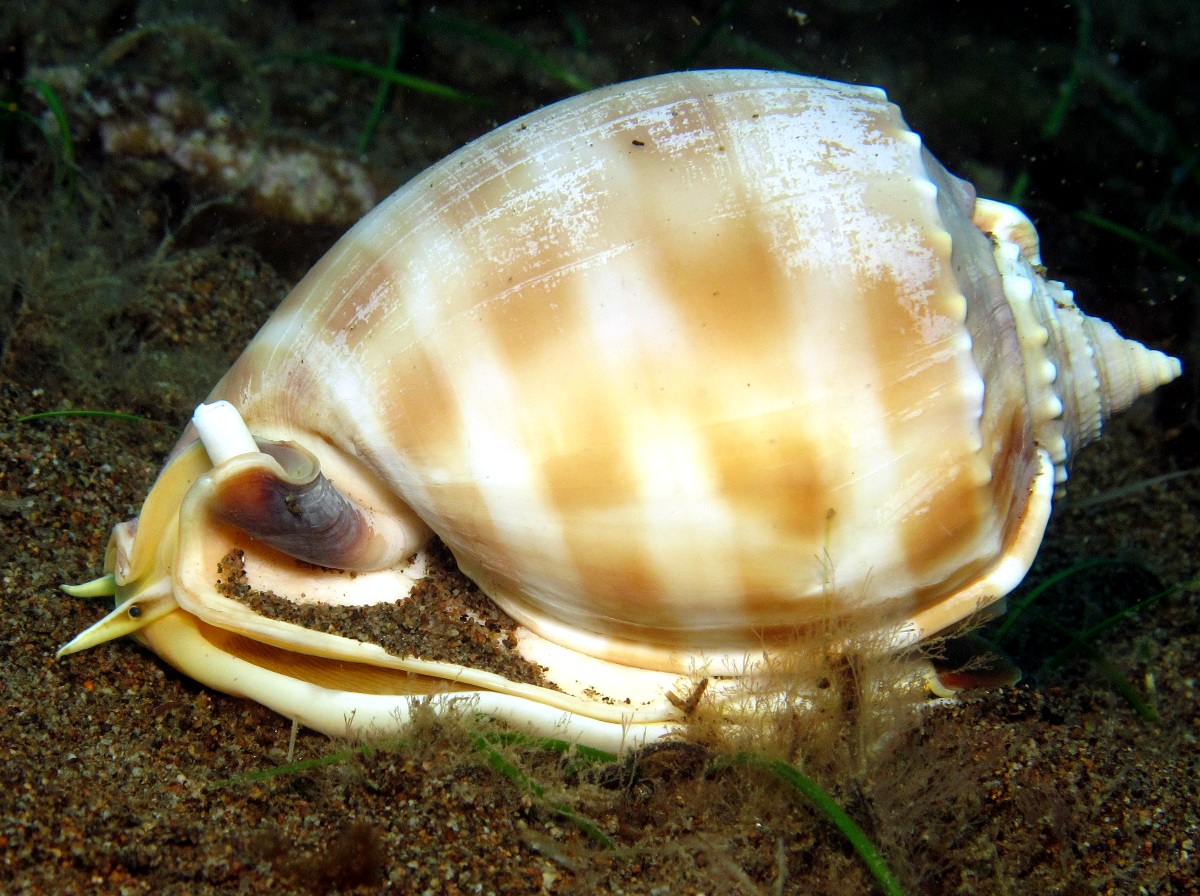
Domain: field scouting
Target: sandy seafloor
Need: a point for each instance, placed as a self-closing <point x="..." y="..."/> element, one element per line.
<point x="118" y="775"/>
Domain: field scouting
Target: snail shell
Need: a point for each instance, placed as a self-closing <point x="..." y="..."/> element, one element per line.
<point x="677" y="369"/>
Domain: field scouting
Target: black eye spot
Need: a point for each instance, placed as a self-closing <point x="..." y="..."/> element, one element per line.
<point x="135" y="611"/>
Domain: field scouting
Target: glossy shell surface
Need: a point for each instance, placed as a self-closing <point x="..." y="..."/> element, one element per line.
<point x="678" y="370"/>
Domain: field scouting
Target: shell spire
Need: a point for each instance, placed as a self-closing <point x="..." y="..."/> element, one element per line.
<point x="1126" y="368"/>
<point x="1079" y="370"/>
<point x="1099" y="372"/>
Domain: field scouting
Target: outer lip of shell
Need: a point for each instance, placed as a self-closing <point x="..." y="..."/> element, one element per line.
<point x="1004" y="575"/>
<point x="188" y="645"/>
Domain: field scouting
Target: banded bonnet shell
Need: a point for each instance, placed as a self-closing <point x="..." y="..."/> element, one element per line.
<point x="678" y="370"/>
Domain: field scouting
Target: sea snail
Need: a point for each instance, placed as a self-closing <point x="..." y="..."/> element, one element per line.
<point x="677" y="370"/>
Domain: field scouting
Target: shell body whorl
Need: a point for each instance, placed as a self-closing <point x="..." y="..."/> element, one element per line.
<point x="676" y="368"/>
<point x="624" y="382"/>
